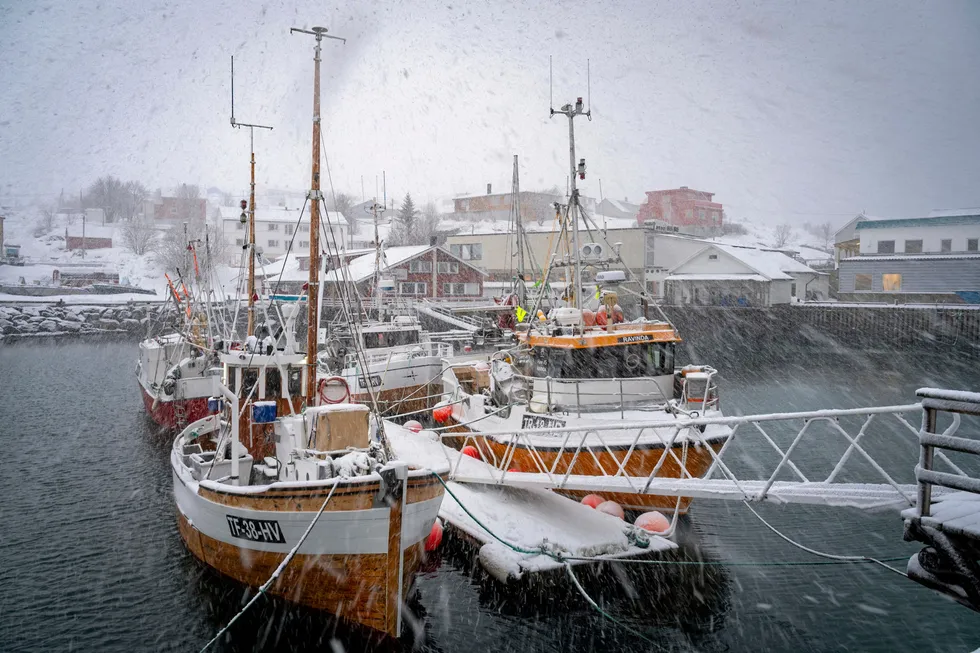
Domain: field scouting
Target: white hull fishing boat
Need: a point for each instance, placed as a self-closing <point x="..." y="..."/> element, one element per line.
<point x="578" y="379"/>
<point x="302" y="501"/>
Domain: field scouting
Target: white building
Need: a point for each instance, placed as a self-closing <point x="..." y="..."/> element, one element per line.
<point x="280" y="230"/>
<point x="732" y="275"/>
<point x="943" y="232"/>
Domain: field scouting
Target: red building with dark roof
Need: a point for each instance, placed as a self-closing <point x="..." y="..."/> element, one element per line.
<point x="683" y="207"/>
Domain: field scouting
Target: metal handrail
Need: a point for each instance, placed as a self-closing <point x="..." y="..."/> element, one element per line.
<point x="935" y="401"/>
<point x="419" y="349"/>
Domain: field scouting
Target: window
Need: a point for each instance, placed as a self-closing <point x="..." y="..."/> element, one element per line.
<point x="448" y="267"/>
<point x="971" y="244"/>
<point x="712" y="257"/>
<point x="412" y="288"/>
<point x="467" y="251"/>
<point x="272" y="226"/>
<point x="701" y="214"/>
<point x="273" y="243"/>
<point x="305" y="244"/>
<point x="689" y="214"/>
<point x="288" y="229"/>
<point x="862" y="282"/>
<point x="891" y="282"/>
<point x="456" y="289"/>
<point x="239" y="241"/>
<point x="913" y="246"/>
<point x="420" y="266"/>
<point x="792" y="290"/>
<point x="716" y="216"/>
<point x="886" y="246"/>
<point x="946" y="245"/>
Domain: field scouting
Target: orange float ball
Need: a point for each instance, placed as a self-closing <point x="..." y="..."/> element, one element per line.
<point x="413" y="426"/>
<point x="592" y="500"/>
<point x="442" y="414"/>
<point x="434" y="539"/>
<point x="653" y="522"/>
<point x="471" y="451"/>
<point x="588" y="317"/>
<point x="611" y="508"/>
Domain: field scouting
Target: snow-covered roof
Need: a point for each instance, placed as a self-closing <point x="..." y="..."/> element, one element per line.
<point x="287" y="266"/>
<point x="767" y="263"/>
<point x="280" y="214"/>
<point x="481" y="228"/>
<point x="716" y="277"/>
<point x="908" y="257"/>
<point x="945" y="213"/>
<point x="362" y="267"/>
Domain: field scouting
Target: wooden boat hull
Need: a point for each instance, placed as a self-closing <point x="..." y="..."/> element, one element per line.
<point x="602" y="461"/>
<point x="348" y="566"/>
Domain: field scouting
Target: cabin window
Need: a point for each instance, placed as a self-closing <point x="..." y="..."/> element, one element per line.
<point x="390" y="338"/>
<point x="273" y="383"/>
<point x="886" y="246"/>
<point x="913" y="246"/>
<point x="862" y="282"/>
<point x="295" y="382"/>
<point x="249" y="379"/>
<point x="632" y="361"/>
<point x="891" y="282"/>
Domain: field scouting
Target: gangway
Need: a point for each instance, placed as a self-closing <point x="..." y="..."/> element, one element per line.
<point x="439" y="313"/>
<point x="865" y="458"/>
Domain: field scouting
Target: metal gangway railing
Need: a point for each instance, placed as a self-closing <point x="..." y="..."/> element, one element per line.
<point x="948" y="524"/>
<point x="426" y="349"/>
<point x="826" y="457"/>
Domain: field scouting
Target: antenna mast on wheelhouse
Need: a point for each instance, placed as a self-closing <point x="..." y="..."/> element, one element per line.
<point x="315" y="196"/>
<point x="250" y="205"/>
<point x="574" y="207"/>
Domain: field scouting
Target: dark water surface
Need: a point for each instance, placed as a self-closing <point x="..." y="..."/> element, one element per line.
<point x="90" y="558"/>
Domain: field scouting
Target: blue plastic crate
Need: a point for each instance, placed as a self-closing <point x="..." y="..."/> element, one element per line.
<point x="263" y="412"/>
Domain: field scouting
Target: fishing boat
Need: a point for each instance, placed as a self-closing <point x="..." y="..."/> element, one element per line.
<point x="565" y="398"/>
<point x="388" y="357"/>
<point x="303" y="500"/>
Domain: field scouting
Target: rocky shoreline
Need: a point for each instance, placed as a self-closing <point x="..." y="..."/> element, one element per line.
<point x="58" y="319"/>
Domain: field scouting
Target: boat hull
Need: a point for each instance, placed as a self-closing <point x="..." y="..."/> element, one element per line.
<point x="348" y="565"/>
<point x="164" y="412"/>
<point x="602" y="460"/>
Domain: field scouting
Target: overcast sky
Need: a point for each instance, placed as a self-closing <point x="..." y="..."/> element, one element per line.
<point x="787" y="111"/>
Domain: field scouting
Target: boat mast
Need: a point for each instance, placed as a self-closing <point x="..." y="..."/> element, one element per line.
<point x="251" y="205"/>
<point x="573" y="201"/>
<point x="377" y="260"/>
<point x="519" y="285"/>
<point x="312" y="314"/>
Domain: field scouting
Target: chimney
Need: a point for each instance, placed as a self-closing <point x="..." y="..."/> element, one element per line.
<point x="488" y="189"/>
<point x="433" y="240"/>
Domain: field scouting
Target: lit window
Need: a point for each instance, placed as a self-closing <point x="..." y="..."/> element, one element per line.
<point x="891" y="282"/>
<point x="862" y="282"/>
<point x="946" y="245"/>
<point x="913" y="246"/>
<point x="886" y="246"/>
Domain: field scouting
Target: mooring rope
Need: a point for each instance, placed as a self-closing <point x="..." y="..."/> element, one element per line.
<point x="282" y="567"/>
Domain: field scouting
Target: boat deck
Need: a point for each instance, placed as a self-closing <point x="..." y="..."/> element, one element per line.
<point x="957" y="513"/>
<point x="528" y="518"/>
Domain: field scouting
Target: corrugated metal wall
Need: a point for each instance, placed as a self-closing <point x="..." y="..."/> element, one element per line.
<point x="918" y="275"/>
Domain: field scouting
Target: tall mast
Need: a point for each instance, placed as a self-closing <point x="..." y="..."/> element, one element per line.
<point x="377" y="259"/>
<point x="251" y="205"/>
<point x="312" y="314"/>
<point x="573" y="201"/>
<point x="519" y="285"/>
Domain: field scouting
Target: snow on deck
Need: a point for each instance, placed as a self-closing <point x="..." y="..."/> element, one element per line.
<point x="528" y="518"/>
<point x="955" y="512"/>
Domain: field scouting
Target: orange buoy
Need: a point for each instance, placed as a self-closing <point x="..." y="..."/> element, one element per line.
<point x="413" y="426"/>
<point x="600" y="316"/>
<point x="618" y="315"/>
<point x="471" y="451"/>
<point x="588" y="317"/>
<point x="434" y="539"/>
<point x="592" y="500"/>
<point x="611" y="508"/>
<point x="654" y="522"/>
<point x="442" y="413"/>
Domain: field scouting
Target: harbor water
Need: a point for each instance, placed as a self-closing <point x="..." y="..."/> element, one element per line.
<point x="90" y="557"/>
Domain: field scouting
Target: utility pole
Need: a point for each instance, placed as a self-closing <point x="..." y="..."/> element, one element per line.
<point x="251" y="205"/>
<point x="313" y="318"/>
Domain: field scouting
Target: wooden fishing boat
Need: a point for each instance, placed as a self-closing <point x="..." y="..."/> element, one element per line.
<point x="306" y="501"/>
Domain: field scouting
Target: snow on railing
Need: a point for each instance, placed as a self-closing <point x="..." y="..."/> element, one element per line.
<point x="957" y="403"/>
<point x="781" y="457"/>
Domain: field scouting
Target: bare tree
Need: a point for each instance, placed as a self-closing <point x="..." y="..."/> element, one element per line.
<point x="189" y="203"/>
<point x="45" y="223"/>
<point x="825" y="232"/>
<point x="343" y="203"/>
<point x="139" y="235"/>
<point x="173" y="254"/>
<point x="135" y="195"/>
<point x="109" y="194"/>
<point x="782" y="235"/>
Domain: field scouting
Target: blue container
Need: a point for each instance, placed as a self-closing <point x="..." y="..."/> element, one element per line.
<point x="263" y="412"/>
<point x="215" y="404"/>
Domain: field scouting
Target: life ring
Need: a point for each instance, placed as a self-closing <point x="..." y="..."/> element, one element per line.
<point x="323" y="387"/>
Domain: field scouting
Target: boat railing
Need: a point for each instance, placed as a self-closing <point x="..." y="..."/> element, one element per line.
<point x="933" y="442"/>
<point x="406" y="352"/>
<point x="622" y="393"/>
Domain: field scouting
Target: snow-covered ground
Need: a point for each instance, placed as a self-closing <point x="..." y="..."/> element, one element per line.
<point x="759" y="234"/>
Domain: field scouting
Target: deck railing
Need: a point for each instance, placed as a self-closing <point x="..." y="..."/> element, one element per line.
<point x="956" y="403"/>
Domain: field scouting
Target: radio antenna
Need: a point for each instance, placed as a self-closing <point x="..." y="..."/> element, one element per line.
<point x="250" y="204"/>
<point x="588" y="78"/>
<point x="551" y="88"/>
